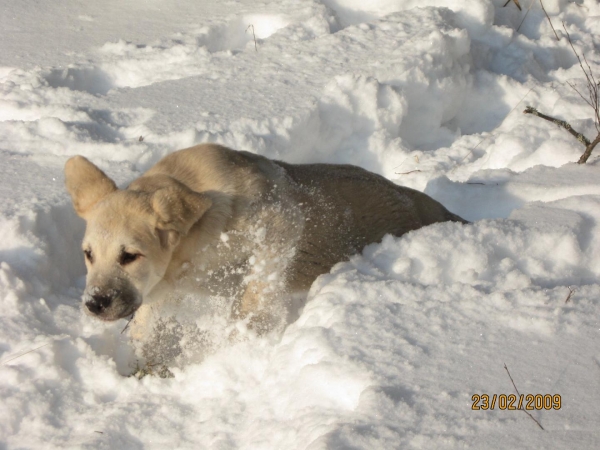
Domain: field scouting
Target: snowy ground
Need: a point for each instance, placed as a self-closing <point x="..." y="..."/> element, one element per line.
<point x="392" y="344"/>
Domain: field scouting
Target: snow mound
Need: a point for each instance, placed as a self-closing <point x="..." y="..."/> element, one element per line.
<point x="392" y="344"/>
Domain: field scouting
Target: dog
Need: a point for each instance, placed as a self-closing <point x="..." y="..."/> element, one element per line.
<point x="232" y="223"/>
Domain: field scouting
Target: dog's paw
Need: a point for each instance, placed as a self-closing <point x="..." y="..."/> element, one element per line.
<point x="154" y="370"/>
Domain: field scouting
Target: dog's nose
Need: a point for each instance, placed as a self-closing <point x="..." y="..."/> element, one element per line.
<point x="98" y="303"/>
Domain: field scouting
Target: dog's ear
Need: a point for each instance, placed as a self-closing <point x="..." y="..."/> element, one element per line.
<point x="86" y="184"/>
<point x="177" y="208"/>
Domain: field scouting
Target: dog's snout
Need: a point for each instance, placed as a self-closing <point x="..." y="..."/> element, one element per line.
<point x="98" y="303"/>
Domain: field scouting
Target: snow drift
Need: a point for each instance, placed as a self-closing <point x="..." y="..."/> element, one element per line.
<point x="392" y="344"/>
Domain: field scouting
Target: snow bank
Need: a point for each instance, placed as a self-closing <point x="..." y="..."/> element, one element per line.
<point x="392" y="344"/>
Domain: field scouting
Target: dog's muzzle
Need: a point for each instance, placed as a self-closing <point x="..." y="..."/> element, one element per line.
<point x="111" y="304"/>
<point x="99" y="303"/>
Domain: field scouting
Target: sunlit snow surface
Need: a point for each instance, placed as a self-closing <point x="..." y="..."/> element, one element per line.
<point x="392" y="344"/>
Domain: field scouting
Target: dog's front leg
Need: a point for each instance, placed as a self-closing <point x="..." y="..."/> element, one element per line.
<point x="257" y="303"/>
<point x="251" y="299"/>
<point x="266" y="280"/>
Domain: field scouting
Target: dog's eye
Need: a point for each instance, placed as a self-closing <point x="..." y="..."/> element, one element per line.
<point x="127" y="258"/>
<point x="88" y="255"/>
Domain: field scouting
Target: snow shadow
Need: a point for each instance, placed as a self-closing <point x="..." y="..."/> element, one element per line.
<point x="125" y="64"/>
<point x="98" y="131"/>
<point x="474" y="200"/>
<point x="349" y="13"/>
<point x="61" y="231"/>
<point x="92" y="80"/>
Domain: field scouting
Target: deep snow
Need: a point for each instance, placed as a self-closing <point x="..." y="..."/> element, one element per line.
<point x="391" y="344"/>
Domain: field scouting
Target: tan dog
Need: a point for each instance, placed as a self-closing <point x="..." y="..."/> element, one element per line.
<point x="232" y="222"/>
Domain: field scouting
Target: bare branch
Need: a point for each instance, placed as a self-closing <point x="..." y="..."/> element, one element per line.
<point x="580" y="94"/>
<point x="577" y="55"/>
<point x="561" y="123"/>
<point x="589" y="68"/>
<point x="593" y="101"/>
<point x="588" y="150"/>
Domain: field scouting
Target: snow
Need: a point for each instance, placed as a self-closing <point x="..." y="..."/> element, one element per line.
<point x="393" y="343"/>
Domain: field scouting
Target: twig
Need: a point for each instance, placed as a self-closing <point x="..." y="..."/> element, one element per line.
<point x="127" y="325"/>
<point x="580" y="94"/>
<point x="549" y="21"/>
<point x="589" y="146"/>
<point x="593" y="101"/>
<point x="561" y="123"/>
<point x="254" y="35"/>
<point x="516" y="2"/>
<point x="406" y="173"/>
<point x="588" y="150"/>
<point x="587" y="77"/>
<point x="521" y="408"/>
<point x="525" y="16"/>
<point x="403" y="161"/>
<point x="571" y="291"/>
<point x="592" y="85"/>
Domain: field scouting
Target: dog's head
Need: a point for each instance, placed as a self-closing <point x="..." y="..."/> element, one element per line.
<point x="130" y="235"/>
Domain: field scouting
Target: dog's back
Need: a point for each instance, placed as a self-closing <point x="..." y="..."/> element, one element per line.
<point x="347" y="208"/>
<point x="344" y="207"/>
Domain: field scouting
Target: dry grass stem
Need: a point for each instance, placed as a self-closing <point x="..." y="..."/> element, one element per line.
<point x="571" y="292"/>
<point x="12" y="358"/>
<point x="518" y="394"/>
<point x="253" y="35"/>
<point x="525" y="16"/>
<point x="549" y="21"/>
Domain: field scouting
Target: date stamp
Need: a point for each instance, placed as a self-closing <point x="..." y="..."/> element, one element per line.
<point x="528" y="402"/>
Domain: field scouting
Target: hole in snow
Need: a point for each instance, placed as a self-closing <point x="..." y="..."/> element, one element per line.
<point x="352" y="12"/>
<point x="235" y="35"/>
<point x="88" y="79"/>
<point x="264" y="25"/>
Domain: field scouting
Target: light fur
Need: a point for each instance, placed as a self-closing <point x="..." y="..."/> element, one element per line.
<point x="230" y="222"/>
